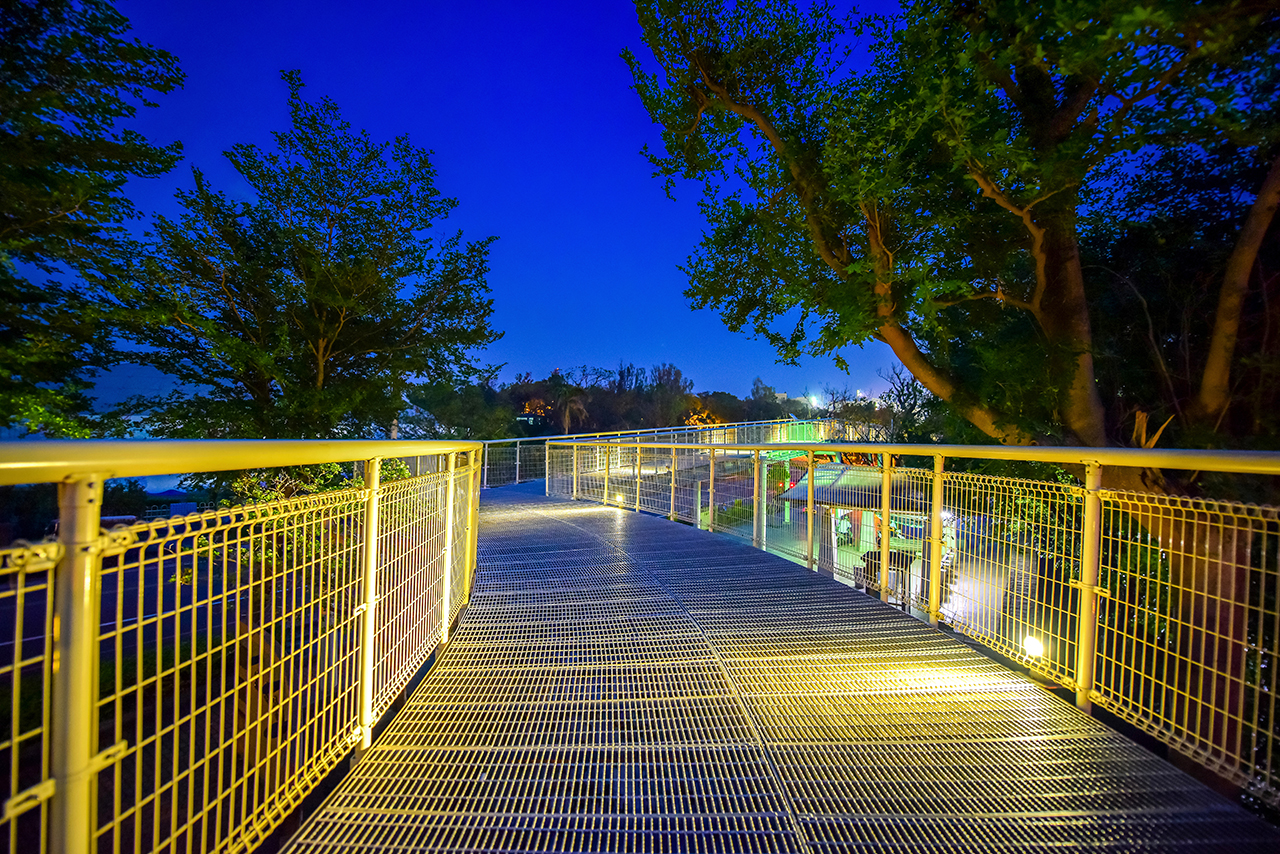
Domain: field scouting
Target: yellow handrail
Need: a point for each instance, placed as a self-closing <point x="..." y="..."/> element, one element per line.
<point x="53" y="462"/>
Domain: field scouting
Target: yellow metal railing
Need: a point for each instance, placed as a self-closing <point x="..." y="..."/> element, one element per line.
<point x="182" y="684"/>
<point x="508" y="461"/>
<point x="1162" y="609"/>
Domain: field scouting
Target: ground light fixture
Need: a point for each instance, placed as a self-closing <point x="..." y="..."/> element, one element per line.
<point x="1033" y="647"/>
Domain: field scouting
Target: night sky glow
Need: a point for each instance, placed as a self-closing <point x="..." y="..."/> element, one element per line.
<point x="528" y="108"/>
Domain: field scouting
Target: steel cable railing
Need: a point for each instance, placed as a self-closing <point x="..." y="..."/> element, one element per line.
<point x="182" y="684"/>
<point x="1162" y="609"/>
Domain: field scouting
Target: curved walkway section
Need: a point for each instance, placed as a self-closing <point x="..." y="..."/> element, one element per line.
<point x="622" y="683"/>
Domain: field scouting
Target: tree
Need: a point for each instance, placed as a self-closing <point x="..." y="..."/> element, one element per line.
<point x="311" y="310"/>
<point x="934" y="201"/>
<point x="68" y="77"/>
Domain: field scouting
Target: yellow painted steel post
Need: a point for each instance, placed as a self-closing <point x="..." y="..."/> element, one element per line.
<point x="1087" y="614"/>
<point x="757" y="513"/>
<point x="575" y="473"/>
<point x="447" y="593"/>
<point x="808" y="523"/>
<point x="75" y="689"/>
<point x="369" y="608"/>
<point x="935" y="543"/>
<point x="711" y="494"/>
<point x="637" y="478"/>
<point x="608" y="452"/>
<point x="886" y="505"/>
<point x="672" y="514"/>
<point x="473" y="522"/>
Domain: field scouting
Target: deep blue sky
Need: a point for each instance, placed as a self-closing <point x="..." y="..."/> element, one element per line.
<point x="536" y="132"/>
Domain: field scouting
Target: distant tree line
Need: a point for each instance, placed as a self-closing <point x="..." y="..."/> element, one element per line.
<point x="585" y="400"/>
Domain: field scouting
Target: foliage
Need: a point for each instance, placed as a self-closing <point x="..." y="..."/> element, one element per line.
<point x="935" y="200"/>
<point x="474" y="411"/>
<point x="68" y="77"/>
<point x="309" y="311"/>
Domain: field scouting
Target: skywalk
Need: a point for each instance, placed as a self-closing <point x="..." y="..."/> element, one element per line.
<point x="623" y="683"/>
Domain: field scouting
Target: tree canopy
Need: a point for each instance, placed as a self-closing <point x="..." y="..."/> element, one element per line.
<point x="312" y="309"/>
<point x="963" y="198"/>
<point x="68" y="78"/>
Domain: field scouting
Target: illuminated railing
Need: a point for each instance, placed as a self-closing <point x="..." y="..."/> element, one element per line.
<point x="1159" y="608"/>
<point x="508" y="461"/>
<point x="182" y="684"/>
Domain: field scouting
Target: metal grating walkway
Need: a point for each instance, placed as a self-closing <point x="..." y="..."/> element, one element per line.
<point x="622" y="683"/>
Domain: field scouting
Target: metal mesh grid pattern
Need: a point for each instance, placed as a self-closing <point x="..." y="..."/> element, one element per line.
<point x="26" y="672"/>
<point x="228" y="669"/>
<point x="1017" y="544"/>
<point x="1190" y="591"/>
<point x="785" y="712"/>
<point x="411" y="554"/>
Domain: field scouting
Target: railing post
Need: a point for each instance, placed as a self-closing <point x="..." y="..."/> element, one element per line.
<point x="886" y="505"/>
<point x="757" y="506"/>
<point x="575" y="473"/>
<point x="75" y="689"/>
<point x="672" y="514"/>
<point x="637" y="477"/>
<point x="1087" y="615"/>
<point x="935" y="543"/>
<point x="808" y="523"/>
<point x="447" y="593"/>
<point x="473" y="523"/>
<point x="369" y="608"/>
<point x="517" y="461"/>
<point x="484" y="468"/>
<point x="608" y="452"/>
<point x="711" y="494"/>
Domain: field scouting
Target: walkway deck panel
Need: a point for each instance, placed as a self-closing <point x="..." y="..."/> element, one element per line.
<point x="623" y="683"/>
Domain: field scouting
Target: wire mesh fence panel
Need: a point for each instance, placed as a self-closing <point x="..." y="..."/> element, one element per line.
<point x="455" y="574"/>
<point x="532" y="457"/>
<point x="734" y="504"/>
<point x="410" y="581"/>
<point x="26" y="673"/>
<point x="500" y="465"/>
<point x="1017" y="552"/>
<point x="227" y="670"/>
<point x="1188" y="629"/>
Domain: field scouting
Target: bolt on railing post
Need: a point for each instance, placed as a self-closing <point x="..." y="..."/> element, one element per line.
<point x="369" y="608"/>
<point x="757" y="506"/>
<point x="672" y="514"/>
<point x="711" y="494"/>
<point x="75" y="689"/>
<point x="447" y="593"/>
<point x="575" y="473"/>
<point x="886" y="495"/>
<point x="1087" y="614"/>
<point x="808" y="524"/>
<point x="935" y="543"/>
<point x="637" y="477"/>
